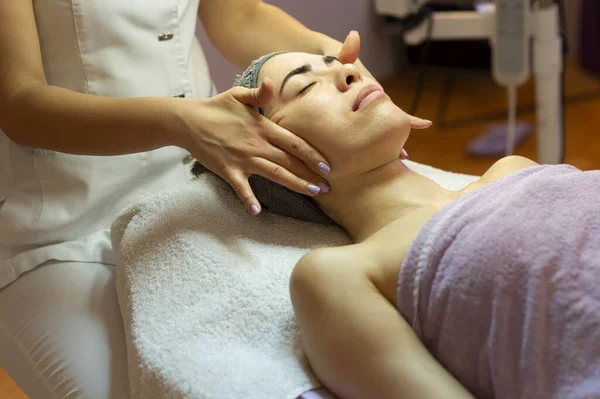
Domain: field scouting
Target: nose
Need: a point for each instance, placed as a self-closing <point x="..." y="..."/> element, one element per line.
<point x="348" y="76"/>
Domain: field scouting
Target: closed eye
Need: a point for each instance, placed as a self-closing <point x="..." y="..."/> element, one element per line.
<point x="306" y="88"/>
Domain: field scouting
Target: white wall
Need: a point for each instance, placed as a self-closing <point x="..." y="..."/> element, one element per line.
<point x="333" y="17"/>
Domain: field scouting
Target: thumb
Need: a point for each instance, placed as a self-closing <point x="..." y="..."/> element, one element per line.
<point x="418" y="123"/>
<point x="349" y="52"/>
<point x="256" y="98"/>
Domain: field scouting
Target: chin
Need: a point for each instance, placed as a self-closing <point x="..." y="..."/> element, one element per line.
<point x="387" y="122"/>
<point x="394" y="132"/>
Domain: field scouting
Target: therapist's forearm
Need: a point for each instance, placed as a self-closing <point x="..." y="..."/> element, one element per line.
<point x="261" y="29"/>
<point x="58" y="119"/>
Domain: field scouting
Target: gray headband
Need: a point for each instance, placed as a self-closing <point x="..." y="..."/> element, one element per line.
<point x="249" y="78"/>
<point x="272" y="196"/>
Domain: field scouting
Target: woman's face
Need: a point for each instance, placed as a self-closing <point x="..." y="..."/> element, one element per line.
<point x="346" y="116"/>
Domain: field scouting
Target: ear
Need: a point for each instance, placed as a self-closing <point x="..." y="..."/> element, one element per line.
<point x="418" y="123"/>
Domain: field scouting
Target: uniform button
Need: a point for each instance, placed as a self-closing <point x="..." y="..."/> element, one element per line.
<point x="165" y="36"/>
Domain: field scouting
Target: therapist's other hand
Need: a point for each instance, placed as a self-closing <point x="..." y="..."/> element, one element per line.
<point x="228" y="136"/>
<point x="415" y="123"/>
<point x="418" y="123"/>
<point x="348" y="53"/>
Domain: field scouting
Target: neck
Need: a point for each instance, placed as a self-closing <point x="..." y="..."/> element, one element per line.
<point x="367" y="203"/>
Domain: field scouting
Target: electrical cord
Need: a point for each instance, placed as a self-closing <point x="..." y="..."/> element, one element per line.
<point x="427" y="13"/>
<point x="447" y="88"/>
<point x="563" y="93"/>
<point x="512" y="119"/>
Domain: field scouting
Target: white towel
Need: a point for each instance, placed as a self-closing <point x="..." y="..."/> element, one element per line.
<point x="203" y="291"/>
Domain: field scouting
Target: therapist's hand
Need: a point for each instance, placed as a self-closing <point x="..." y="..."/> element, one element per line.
<point x="348" y="53"/>
<point x="228" y="136"/>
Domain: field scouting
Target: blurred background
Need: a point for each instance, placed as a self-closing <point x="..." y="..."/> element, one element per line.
<point x="458" y="92"/>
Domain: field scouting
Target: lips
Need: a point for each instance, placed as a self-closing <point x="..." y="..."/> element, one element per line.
<point x="364" y="94"/>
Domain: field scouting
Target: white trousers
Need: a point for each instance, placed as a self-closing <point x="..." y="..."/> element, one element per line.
<point x="61" y="332"/>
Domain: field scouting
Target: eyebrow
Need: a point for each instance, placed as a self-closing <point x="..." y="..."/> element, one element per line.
<point x="327" y="59"/>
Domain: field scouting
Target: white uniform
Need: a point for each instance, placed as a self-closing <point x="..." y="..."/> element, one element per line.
<point x="56" y="206"/>
<point x="61" y="332"/>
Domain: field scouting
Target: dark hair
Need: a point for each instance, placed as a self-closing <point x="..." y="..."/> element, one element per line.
<point x="279" y="199"/>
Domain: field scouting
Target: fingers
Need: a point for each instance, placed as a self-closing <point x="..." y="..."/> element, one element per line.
<point x="297" y="168"/>
<point x="284" y="177"/>
<point x="281" y="168"/>
<point x="239" y="182"/>
<point x="255" y="98"/>
<point x="299" y="148"/>
<point x="418" y="123"/>
<point x="348" y="54"/>
<point x="264" y="94"/>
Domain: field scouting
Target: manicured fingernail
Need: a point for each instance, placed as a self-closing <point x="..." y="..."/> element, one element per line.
<point x="405" y="153"/>
<point x="323" y="167"/>
<point x="324" y="187"/>
<point x="428" y="121"/>
<point x="255" y="209"/>
<point x="313" y="189"/>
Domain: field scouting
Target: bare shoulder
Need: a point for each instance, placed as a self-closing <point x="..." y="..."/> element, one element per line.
<point x="501" y="168"/>
<point x="508" y="165"/>
<point x="331" y="262"/>
<point x="515" y="162"/>
<point x="333" y="255"/>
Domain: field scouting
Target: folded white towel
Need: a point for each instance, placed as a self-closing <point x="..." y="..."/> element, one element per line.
<point x="203" y="291"/>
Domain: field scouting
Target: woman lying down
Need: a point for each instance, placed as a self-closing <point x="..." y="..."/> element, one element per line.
<point x="488" y="292"/>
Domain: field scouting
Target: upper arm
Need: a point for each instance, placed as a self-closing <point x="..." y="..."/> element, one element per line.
<point x="218" y="16"/>
<point x="21" y="60"/>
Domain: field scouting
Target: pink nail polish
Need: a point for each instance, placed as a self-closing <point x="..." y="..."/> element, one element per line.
<point x="313" y="189"/>
<point x="324" y="187"/>
<point x="324" y="168"/>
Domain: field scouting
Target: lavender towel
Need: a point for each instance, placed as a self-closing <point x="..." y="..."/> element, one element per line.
<point x="503" y="286"/>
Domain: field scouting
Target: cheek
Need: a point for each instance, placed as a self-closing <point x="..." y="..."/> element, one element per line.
<point x="320" y="108"/>
<point x="317" y="119"/>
